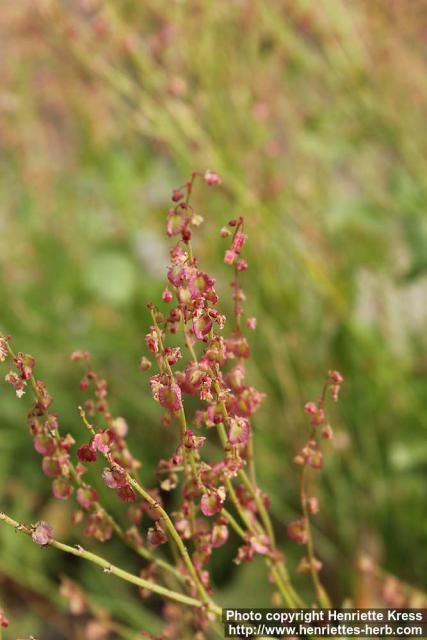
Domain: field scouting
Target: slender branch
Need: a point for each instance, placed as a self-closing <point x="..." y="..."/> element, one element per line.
<point x="113" y="569"/>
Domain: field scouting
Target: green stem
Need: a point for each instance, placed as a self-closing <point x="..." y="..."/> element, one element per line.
<point x="113" y="569"/>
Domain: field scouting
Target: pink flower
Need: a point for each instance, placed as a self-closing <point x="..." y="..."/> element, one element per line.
<point x="126" y="494"/>
<point x="86" y="497"/>
<point x="229" y="256"/>
<point x="251" y="323"/>
<point x="202" y="324"/>
<point x="238" y="430"/>
<point x="335" y="377"/>
<point x="170" y="397"/>
<point x="191" y="441"/>
<point x="241" y="265"/>
<point x="219" y="535"/>
<point x="260" y="544"/>
<point x="51" y="467"/>
<point x="167" y="296"/>
<point x="114" y="478"/>
<point x="156" y="536"/>
<point x="42" y="533"/>
<point x="212" y="179"/>
<point x="177" y="195"/>
<point x="297" y="531"/>
<point x="101" y="441"/>
<point x="144" y="364"/>
<point x="176" y="223"/>
<point x="327" y="432"/>
<point x="313" y="504"/>
<point x="310" y="408"/>
<point x="44" y="444"/>
<point x="61" y="488"/>
<point x="86" y="453"/>
<point x="212" y="501"/>
<point x="239" y="241"/>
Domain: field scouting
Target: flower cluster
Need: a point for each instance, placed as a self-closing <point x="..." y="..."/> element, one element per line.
<point x="211" y="497"/>
<point x="311" y="456"/>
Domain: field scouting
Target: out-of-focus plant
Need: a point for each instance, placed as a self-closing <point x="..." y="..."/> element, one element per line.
<point x="215" y="374"/>
<point x="316" y="117"/>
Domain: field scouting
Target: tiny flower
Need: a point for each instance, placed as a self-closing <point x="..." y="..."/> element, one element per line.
<point x="314" y="458"/>
<point x="25" y="363"/>
<point x="229" y="256"/>
<point x="44" y="444"/>
<point x="42" y="533"/>
<point x="260" y="544"/>
<point x="176" y="223"/>
<point x="239" y="241"/>
<point x="251" y="323"/>
<point x="202" y="324"/>
<point x="191" y="441"/>
<point x="170" y="397"/>
<point x="51" y="467"/>
<point x="126" y="494"/>
<point x="238" y="430"/>
<point x="177" y="195"/>
<point x="244" y="554"/>
<point x="297" y="531"/>
<point x="167" y="296"/>
<point x="212" y="501"/>
<point x="305" y="565"/>
<point x="310" y="408"/>
<point x="144" y="364"/>
<point x="313" y="504"/>
<point x="335" y="377"/>
<point x="61" y="488"/>
<point x="219" y="535"/>
<point x="212" y="179"/>
<point x="327" y="432"/>
<point x="84" y="384"/>
<point x="224" y="233"/>
<point x="101" y="441"/>
<point x="173" y="354"/>
<point x="98" y="526"/>
<point x="115" y="478"/>
<point x="73" y="594"/>
<point x="86" y="453"/>
<point x="152" y="340"/>
<point x="241" y="265"/>
<point x="119" y="427"/>
<point x="156" y="536"/>
<point x="86" y="497"/>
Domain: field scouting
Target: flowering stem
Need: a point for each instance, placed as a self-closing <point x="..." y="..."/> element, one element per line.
<point x="320" y="591"/>
<point x="110" y="568"/>
<point x="168" y="522"/>
<point x="175" y="535"/>
<point x="281" y="578"/>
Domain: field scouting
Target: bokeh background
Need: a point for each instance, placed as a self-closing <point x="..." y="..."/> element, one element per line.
<point x="313" y="113"/>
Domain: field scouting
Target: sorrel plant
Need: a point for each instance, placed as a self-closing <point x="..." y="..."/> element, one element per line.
<point x="214" y="497"/>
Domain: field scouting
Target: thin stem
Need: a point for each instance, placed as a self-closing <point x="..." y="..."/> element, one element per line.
<point x="113" y="569"/>
<point x="320" y="591"/>
<point x="95" y="506"/>
<point x="164" y="515"/>
<point x="235" y="525"/>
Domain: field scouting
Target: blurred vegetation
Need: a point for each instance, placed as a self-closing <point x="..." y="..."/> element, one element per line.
<point x="313" y="113"/>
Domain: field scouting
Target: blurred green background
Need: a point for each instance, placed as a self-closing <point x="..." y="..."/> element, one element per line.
<point x="313" y="113"/>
